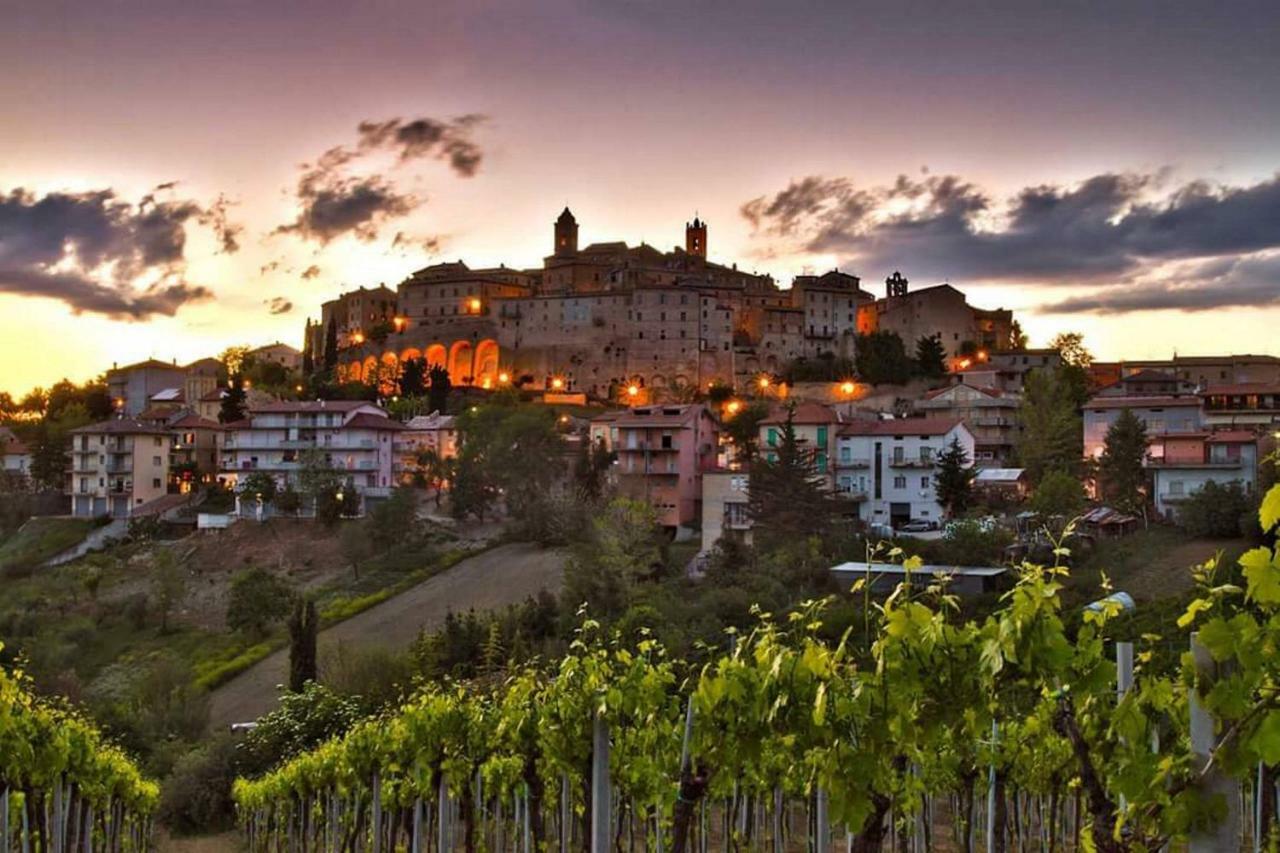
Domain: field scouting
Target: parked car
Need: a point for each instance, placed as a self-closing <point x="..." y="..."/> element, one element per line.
<point x="918" y="525"/>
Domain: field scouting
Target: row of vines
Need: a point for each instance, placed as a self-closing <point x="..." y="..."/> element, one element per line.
<point x="930" y="731"/>
<point x="62" y="786"/>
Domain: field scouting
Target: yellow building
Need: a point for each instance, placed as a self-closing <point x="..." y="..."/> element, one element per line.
<point x="117" y="466"/>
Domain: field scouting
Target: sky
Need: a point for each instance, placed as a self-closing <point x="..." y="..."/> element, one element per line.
<point x="176" y="178"/>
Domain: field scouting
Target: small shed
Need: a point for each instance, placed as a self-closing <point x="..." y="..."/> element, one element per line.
<point x="1105" y="521"/>
<point x="885" y="577"/>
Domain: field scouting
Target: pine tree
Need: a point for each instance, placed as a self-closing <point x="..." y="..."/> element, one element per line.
<point x="953" y="478"/>
<point x="330" y="348"/>
<point x="413" y="380"/>
<point x="303" y="627"/>
<point x="1051" y="438"/>
<point x="788" y="497"/>
<point x="438" y="389"/>
<point x="931" y="355"/>
<point x="49" y="457"/>
<point x="1121" y="476"/>
<point x="495" y="654"/>
<point x="233" y="402"/>
<point x="308" y="359"/>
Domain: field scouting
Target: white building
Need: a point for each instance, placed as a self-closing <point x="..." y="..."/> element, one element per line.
<point x="15" y="458"/>
<point x="889" y="466"/>
<point x="353" y="437"/>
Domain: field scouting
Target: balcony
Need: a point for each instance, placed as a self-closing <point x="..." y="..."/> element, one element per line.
<point x="911" y="463"/>
<point x="853" y="463"/>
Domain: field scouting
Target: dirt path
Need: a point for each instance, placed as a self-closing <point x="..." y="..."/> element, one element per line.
<point x="498" y="577"/>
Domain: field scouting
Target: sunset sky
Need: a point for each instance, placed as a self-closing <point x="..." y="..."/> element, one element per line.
<point x="179" y="177"/>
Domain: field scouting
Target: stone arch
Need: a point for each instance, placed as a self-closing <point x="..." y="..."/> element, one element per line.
<point x="752" y="365"/>
<point x="460" y="363"/>
<point x="369" y="371"/>
<point x="658" y="381"/>
<point x="437" y="354"/>
<point x="410" y="354"/>
<point x="389" y="374"/>
<point x="486" y="361"/>
<point x="771" y="364"/>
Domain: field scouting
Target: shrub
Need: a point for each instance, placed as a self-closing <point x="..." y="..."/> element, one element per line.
<point x="1216" y="510"/>
<point x="196" y="797"/>
<point x="258" y="599"/>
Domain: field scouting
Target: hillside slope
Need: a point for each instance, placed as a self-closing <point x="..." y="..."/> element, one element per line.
<point x="487" y="581"/>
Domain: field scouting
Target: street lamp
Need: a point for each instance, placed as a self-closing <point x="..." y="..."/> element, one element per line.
<point x="557" y="383"/>
<point x="847" y="388"/>
<point x="633" y="390"/>
<point x="504" y="378"/>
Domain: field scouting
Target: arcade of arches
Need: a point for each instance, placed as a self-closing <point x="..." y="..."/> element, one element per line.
<point x="467" y="363"/>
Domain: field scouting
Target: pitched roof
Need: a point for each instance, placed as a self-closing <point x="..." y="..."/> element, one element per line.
<point x="368" y="420"/>
<point x="275" y="407"/>
<point x="1233" y="436"/>
<point x="150" y="364"/>
<point x="806" y="412"/>
<point x="984" y="389"/>
<point x="191" y="420"/>
<point x="435" y="420"/>
<point x="901" y="426"/>
<point x="1242" y="389"/>
<point x="10" y="444"/>
<point x="660" y="416"/>
<point x="123" y="426"/>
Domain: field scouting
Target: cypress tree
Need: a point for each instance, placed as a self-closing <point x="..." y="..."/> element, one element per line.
<point x="303" y="627"/>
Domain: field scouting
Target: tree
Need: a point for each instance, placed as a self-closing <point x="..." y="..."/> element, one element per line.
<point x="931" y="355"/>
<point x="49" y="457"/>
<point x="1216" y="510"/>
<point x="259" y="483"/>
<point x="304" y="625"/>
<point x="168" y="585"/>
<point x="257" y="600"/>
<point x="592" y="467"/>
<point x="882" y="359"/>
<point x="1017" y="337"/>
<point x="438" y="388"/>
<point x="953" y="480"/>
<point x="394" y="519"/>
<point x="413" y="379"/>
<point x="1070" y="346"/>
<point x="320" y="481"/>
<point x="304" y="719"/>
<point x="743" y="429"/>
<point x="233" y="402"/>
<point x="1059" y="493"/>
<point x="1052" y="438"/>
<point x="506" y="449"/>
<point x="1122" y="479"/>
<point x="626" y="548"/>
<point x="308" y="357"/>
<point x="330" y="348"/>
<point x="787" y="496"/>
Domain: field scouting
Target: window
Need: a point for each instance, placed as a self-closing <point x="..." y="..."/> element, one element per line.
<point x="822" y="436"/>
<point x="900" y="482"/>
<point x="924" y="482"/>
<point x="155" y="460"/>
<point x="155" y="483"/>
<point x="1175" y="487"/>
<point x="773" y="437"/>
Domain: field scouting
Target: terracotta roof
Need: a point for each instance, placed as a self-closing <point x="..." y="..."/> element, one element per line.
<point x="243" y="423"/>
<point x="213" y="396"/>
<point x="901" y="426"/>
<point x="806" y="413"/>
<point x="659" y="416"/>
<point x="985" y="389"/>
<point x="193" y="421"/>
<point x="1163" y="402"/>
<point x="1241" y="389"/>
<point x="1233" y="436"/>
<point x="289" y="406"/>
<point x="123" y="426"/>
<point x="10" y="445"/>
<point x="368" y="420"/>
<point x="151" y="363"/>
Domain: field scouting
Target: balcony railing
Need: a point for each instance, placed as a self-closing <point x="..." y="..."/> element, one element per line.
<point x="911" y="463"/>
<point x="853" y="463"/>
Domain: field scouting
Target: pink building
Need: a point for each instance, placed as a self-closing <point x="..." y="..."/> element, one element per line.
<point x="662" y="454"/>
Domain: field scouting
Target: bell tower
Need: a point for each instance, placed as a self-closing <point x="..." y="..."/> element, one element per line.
<point x="566" y="235"/>
<point x="695" y="238"/>
<point x="896" y="285"/>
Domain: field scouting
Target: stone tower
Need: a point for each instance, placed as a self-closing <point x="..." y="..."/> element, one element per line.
<point x="895" y="285"/>
<point x="566" y="235"/>
<point x="695" y="238"/>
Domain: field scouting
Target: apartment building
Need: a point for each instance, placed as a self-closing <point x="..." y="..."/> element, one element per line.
<point x="1251" y="405"/>
<point x="815" y="428"/>
<point x="1181" y="465"/>
<point x="1162" y="414"/>
<point x="663" y="452"/>
<point x="889" y="466"/>
<point x="194" y="447"/>
<point x="434" y="432"/>
<point x="725" y="495"/>
<point x="117" y="466"/>
<point x="992" y="415"/>
<point x="353" y="437"/>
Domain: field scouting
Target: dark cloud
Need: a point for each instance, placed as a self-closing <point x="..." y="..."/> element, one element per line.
<point x="431" y="244"/>
<point x="90" y="249"/>
<point x="427" y="137"/>
<point x="310" y="272"/>
<point x="278" y="305"/>
<point x="227" y="232"/>
<point x="1109" y="229"/>
<point x="334" y="201"/>
<point x="1251" y="281"/>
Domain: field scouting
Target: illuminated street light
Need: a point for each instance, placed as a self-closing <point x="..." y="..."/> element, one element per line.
<point x="848" y="387"/>
<point x="633" y="390"/>
<point x="557" y="383"/>
<point x="504" y="378"/>
<point x="733" y="407"/>
<point x="486" y="383"/>
<point x="474" y="305"/>
<point x="358" y="337"/>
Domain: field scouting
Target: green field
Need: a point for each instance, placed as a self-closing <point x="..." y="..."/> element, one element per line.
<point x="39" y="539"/>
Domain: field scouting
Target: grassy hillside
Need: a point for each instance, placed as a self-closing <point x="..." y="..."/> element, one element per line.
<point x="38" y="540"/>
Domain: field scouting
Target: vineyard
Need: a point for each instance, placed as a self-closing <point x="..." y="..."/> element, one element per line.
<point x="929" y="732"/>
<point x="62" y="787"/>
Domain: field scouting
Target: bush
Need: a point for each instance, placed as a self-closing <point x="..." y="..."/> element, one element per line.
<point x="258" y="599"/>
<point x="196" y="797"/>
<point x="1217" y="511"/>
<point x="967" y="543"/>
<point x="301" y="722"/>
